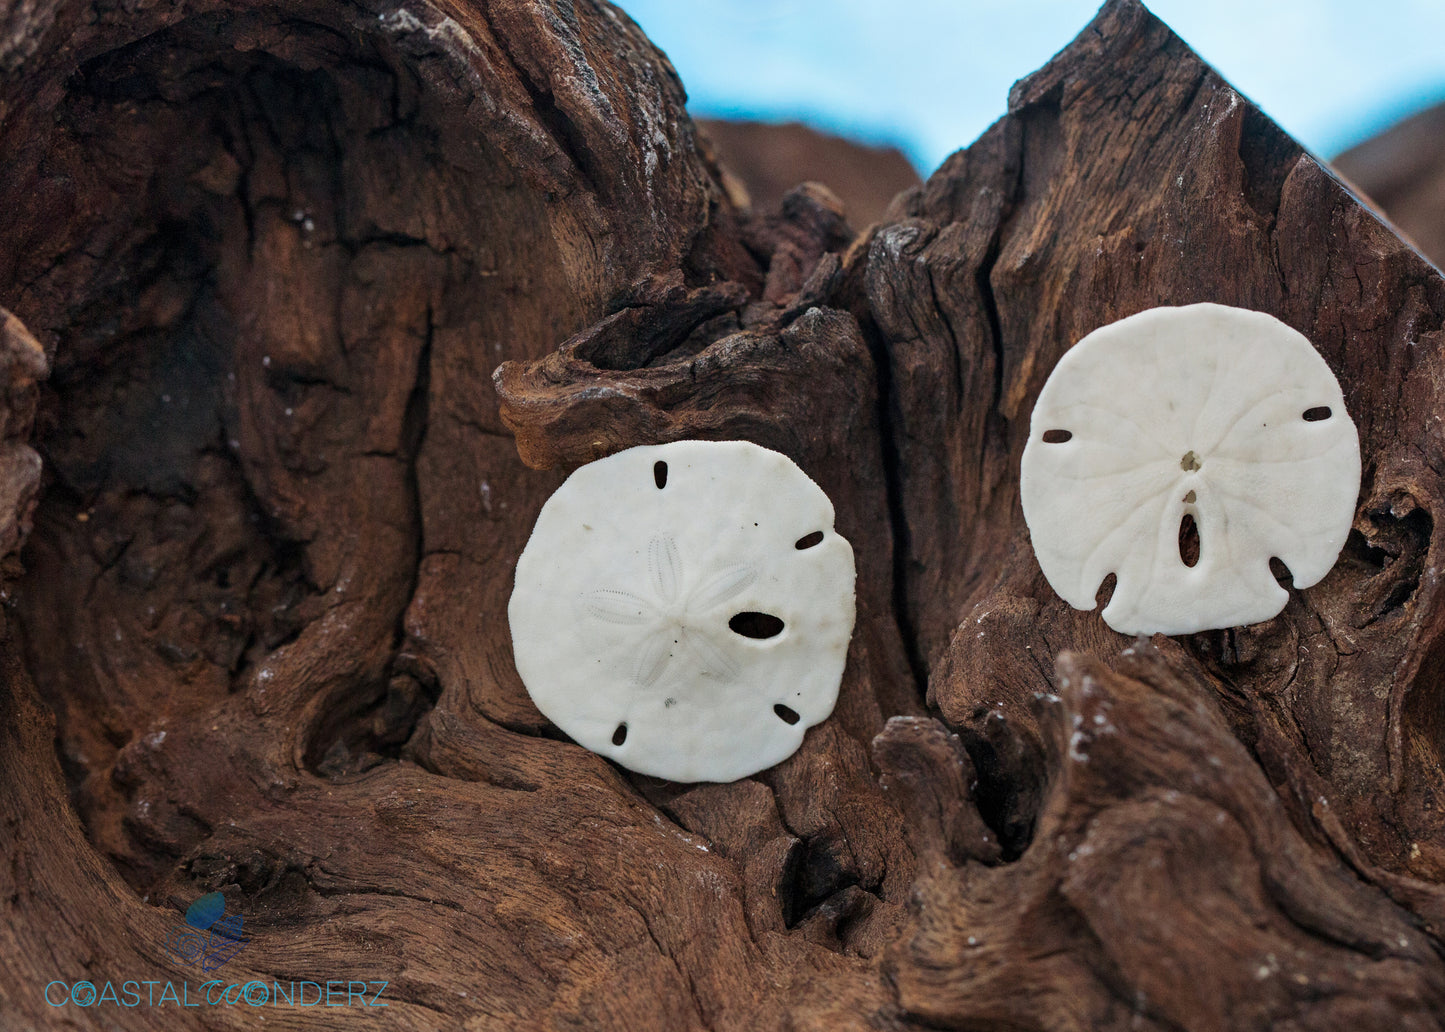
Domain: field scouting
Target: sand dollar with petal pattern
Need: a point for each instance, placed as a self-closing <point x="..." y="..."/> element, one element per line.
<point x="1220" y="414"/>
<point x="685" y="609"/>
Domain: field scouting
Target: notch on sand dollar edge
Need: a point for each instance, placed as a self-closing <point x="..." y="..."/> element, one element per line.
<point x="685" y="608"/>
<point x="1203" y="421"/>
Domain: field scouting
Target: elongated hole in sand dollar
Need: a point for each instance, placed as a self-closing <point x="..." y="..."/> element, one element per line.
<point x="620" y="735"/>
<point x="786" y="715"/>
<point x="1318" y="414"/>
<point x="1057" y="436"/>
<point x="1189" y="543"/>
<point x="809" y="540"/>
<point x="756" y="625"/>
<point x="659" y="474"/>
<point x="1281" y="571"/>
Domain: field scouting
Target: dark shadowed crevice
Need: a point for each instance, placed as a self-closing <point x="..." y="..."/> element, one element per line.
<point x="1009" y="789"/>
<point x="375" y="724"/>
<point x="1036" y="153"/>
<point x="983" y="280"/>
<point x="1268" y="156"/>
<point x="889" y="417"/>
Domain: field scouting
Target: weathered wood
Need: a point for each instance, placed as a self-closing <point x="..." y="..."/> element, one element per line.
<point x="1129" y="175"/>
<point x="259" y="645"/>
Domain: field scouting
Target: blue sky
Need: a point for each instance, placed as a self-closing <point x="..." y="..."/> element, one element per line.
<point x="930" y="75"/>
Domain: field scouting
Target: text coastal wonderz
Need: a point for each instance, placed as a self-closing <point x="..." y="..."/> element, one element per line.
<point x="207" y="940"/>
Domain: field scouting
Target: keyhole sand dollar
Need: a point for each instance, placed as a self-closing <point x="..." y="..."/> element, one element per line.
<point x="685" y="608"/>
<point x="1223" y="415"/>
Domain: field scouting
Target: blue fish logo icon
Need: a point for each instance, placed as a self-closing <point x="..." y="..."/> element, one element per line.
<point x="205" y="911"/>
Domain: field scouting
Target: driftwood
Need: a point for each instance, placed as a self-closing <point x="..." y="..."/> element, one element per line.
<point x="255" y="641"/>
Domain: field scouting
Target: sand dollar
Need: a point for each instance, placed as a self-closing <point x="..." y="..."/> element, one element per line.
<point x="685" y="608"/>
<point x="1223" y="416"/>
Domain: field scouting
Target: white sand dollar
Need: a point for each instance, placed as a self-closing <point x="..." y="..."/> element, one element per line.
<point x="1224" y="415"/>
<point x="685" y="608"/>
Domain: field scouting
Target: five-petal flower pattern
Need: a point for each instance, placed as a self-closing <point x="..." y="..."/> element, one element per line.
<point x="675" y="627"/>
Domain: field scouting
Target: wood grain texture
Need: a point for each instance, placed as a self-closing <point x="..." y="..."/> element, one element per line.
<point x="330" y="297"/>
